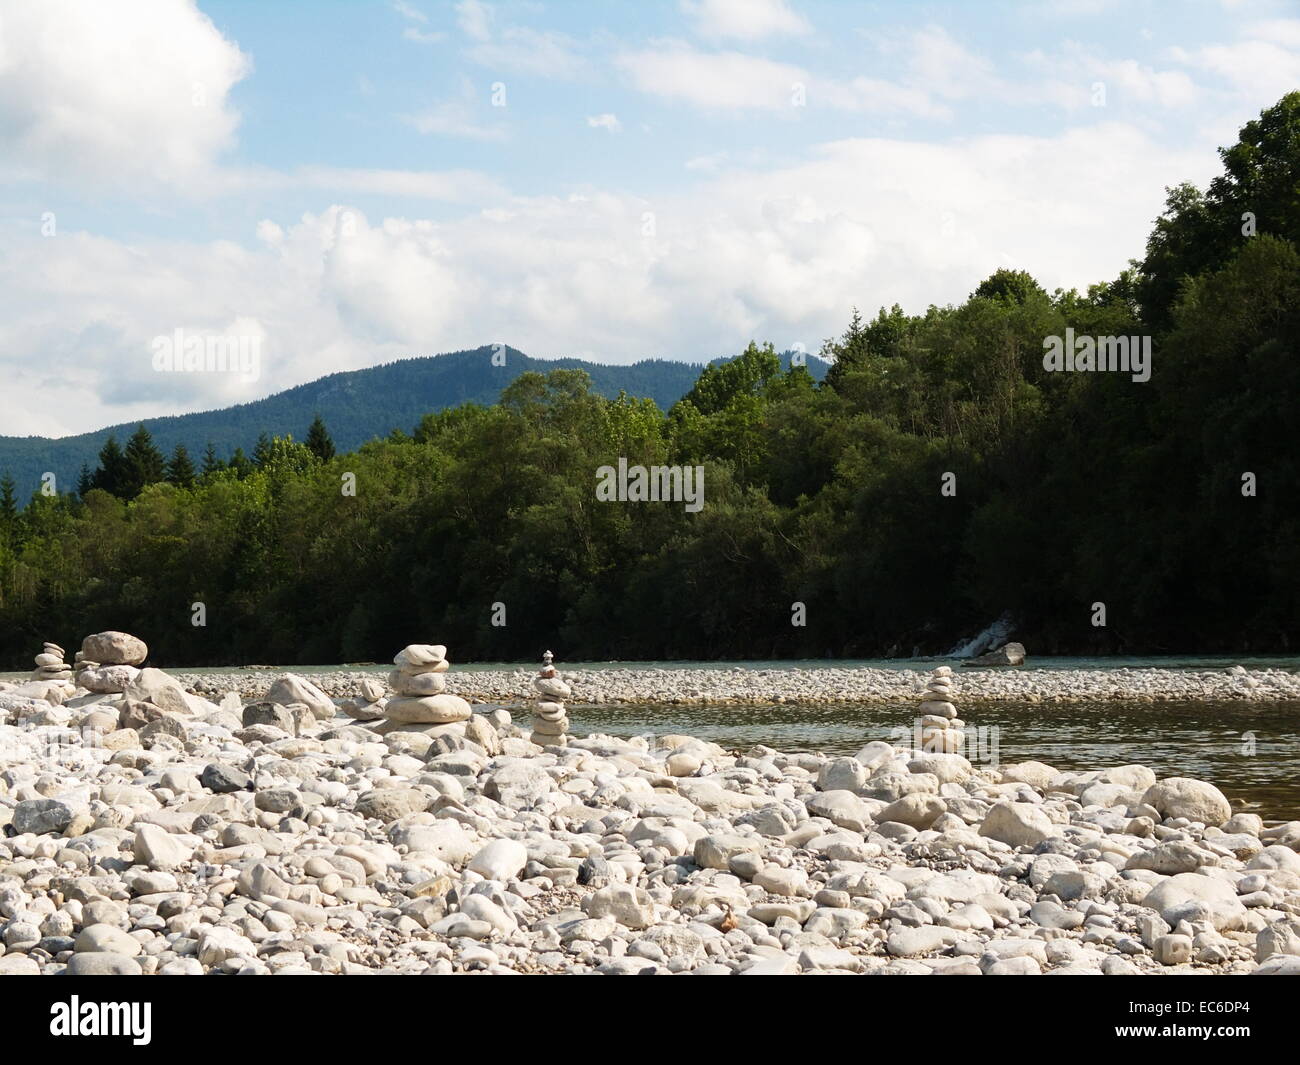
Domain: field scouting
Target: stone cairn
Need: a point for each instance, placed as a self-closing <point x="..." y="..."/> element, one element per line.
<point x="418" y="680"/>
<point x="369" y="704"/>
<point x="550" y="722"/>
<point x="940" y="725"/>
<point x="50" y="665"/>
<point x="109" y="661"/>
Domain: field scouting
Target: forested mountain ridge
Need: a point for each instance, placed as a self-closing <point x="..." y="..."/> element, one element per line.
<point x="357" y="405"/>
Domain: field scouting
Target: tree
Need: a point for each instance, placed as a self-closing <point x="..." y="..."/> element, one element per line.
<point x="882" y="338"/>
<point x="144" y="463"/>
<point x="1255" y="194"/>
<point x="211" y="463"/>
<point x="241" y="464"/>
<point x="85" y="481"/>
<point x="112" y="475"/>
<point x="261" y="450"/>
<point x="180" y="469"/>
<point x="1013" y="286"/>
<point x="318" y="440"/>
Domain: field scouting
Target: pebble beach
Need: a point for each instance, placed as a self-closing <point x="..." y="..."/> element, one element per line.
<point x="259" y="822"/>
<point x="822" y="685"/>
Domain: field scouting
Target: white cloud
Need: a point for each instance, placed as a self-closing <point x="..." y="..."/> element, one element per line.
<point x="746" y="20"/>
<point x="605" y="121"/>
<point x="1070" y="74"/>
<point x="943" y="66"/>
<point x="474" y="19"/>
<point x="423" y="36"/>
<point x="519" y="49"/>
<point x="1262" y="66"/>
<point x="408" y="11"/>
<point x="450" y="186"/>
<point x="515" y="49"/>
<point x="721" y="81"/>
<point x="460" y="117"/>
<point x="736" y="82"/>
<point x="121" y="94"/>
<point x="757" y="252"/>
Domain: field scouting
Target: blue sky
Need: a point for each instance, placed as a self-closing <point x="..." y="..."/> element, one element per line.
<point x="663" y="179"/>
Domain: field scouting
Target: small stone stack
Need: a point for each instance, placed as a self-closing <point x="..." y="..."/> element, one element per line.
<point x="550" y="721"/>
<point x="421" y="698"/>
<point x="940" y="730"/>
<point x="109" y="661"/>
<point x="50" y="665"/>
<point x="369" y="704"/>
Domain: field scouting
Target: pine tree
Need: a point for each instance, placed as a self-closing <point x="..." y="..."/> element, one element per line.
<point x="318" y="440"/>
<point x="180" y="470"/>
<point x="241" y="464"/>
<point x="211" y="464"/>
<point x="145" y="464"/>
<point x="111" y="475"/>
<point x="85" y="481"/>
<point x="262" y="451"/>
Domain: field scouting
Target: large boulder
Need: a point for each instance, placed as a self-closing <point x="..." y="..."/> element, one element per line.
<point x="106" y="680"/>
<point x="41" y="816"/>
<point x="388" y="804"/>
<point x="500" y="860"/>
<point x="1280" y="937"/>
<point x="292" y="688"/>
<point x="1010" y="654"/>
<point x="163" y="691"/>
<point x="517" y="784"/>
<point x="159" y="849"/>
<point x="1193" y="799"/>
<point x="269" y="713"/>
<point x="114" y="649"/>
<point x="1017" y="824"/>
<point x="1194" y="897"/>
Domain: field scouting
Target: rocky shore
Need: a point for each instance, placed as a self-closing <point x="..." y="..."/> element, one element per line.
<point x="174" y="829"/>
<point x="822" y="685"/>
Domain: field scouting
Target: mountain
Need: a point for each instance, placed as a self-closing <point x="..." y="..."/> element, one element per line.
<point x="357" y="406"/>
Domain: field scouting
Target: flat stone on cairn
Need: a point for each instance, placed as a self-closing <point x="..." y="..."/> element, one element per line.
<point x="50" y="665"/>
<point x="550" y="721"/>
<point x="113" y="649"/>
<point x="940" y="727"/>
<point x="421" y="698"/>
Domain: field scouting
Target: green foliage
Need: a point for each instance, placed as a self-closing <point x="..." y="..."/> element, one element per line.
<point x="1200" y="231"/>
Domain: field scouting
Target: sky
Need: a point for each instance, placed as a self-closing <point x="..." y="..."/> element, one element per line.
<point x="344" y="184"/>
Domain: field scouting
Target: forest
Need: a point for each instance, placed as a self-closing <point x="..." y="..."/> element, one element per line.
<point x="937" y="478"/>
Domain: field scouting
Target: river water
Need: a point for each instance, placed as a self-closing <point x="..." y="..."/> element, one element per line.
<point x="1251" y="750"/>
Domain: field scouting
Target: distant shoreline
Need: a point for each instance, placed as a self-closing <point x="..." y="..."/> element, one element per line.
<point x="833" y="684"/>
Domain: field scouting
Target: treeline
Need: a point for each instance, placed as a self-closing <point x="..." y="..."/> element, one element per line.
<point x="938" y="477"/>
